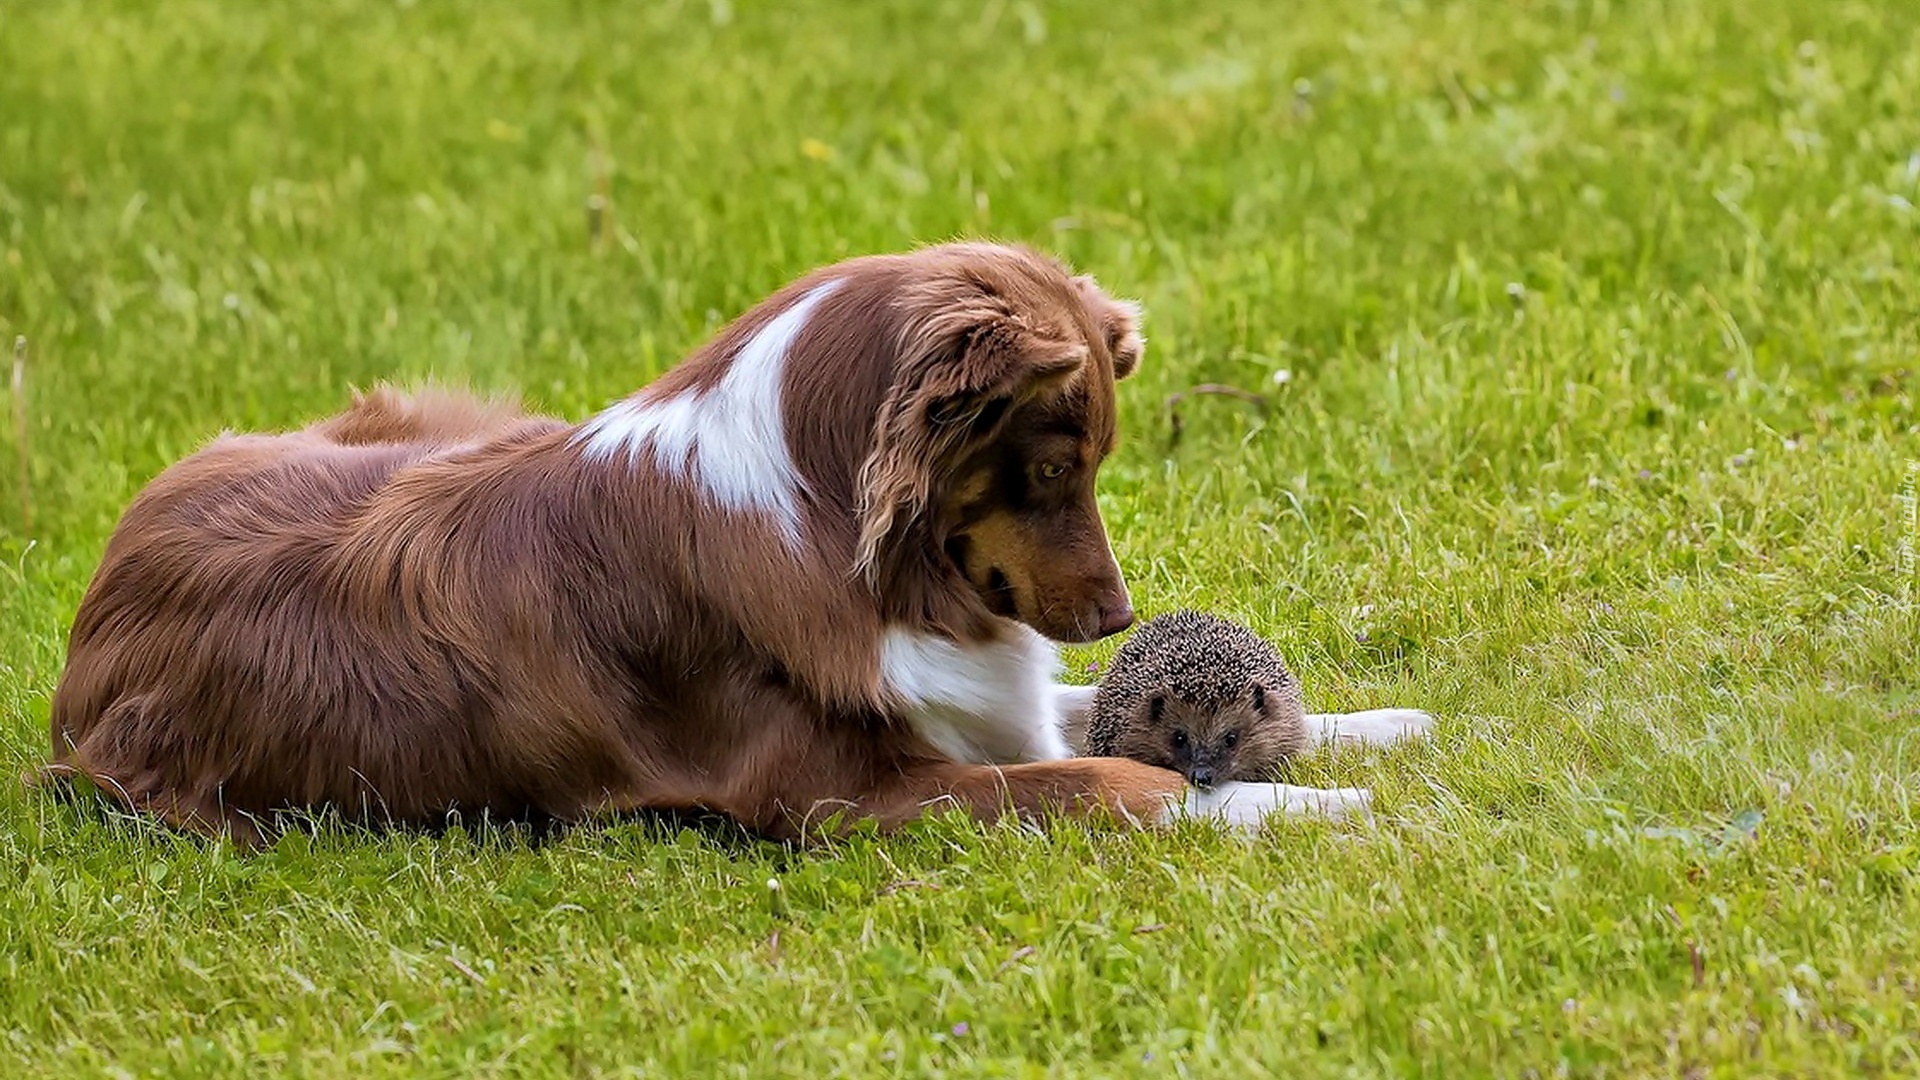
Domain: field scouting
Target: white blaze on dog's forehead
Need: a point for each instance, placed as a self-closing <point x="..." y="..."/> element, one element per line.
<point x="730" y="437"/>
<point x="989" y="703"/>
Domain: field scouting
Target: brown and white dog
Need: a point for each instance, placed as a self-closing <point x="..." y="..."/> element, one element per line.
<point x="807" y="576"/>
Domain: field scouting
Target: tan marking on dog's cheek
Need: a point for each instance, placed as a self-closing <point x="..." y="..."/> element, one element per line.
<point x="966" y="503"/>
<point x="1003" y="544"/>
<point x="974" y="488"/>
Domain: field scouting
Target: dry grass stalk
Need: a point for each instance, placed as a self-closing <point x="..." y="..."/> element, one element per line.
<point x="1176" y="425"/>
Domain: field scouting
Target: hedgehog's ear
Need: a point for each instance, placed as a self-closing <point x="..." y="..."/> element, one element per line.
<point x="1260" y="699"/>
<point x="1156" y="708"/>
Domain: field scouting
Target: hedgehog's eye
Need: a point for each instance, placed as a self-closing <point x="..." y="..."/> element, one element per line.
<point x="1259" y="698"/>
<point x="1232" y="738"/>
<point x="1179" y="740"/>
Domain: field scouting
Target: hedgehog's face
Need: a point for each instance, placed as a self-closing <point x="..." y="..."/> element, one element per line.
<point x="1241" y="739"/>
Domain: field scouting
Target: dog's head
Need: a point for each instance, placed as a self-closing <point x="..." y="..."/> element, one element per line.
<point x="999" y="413"/>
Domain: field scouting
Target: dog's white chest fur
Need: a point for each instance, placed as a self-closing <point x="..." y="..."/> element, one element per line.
<point x="991" y="703"/>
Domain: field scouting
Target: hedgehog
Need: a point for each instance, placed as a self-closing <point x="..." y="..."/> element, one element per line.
<point x="1200" y="695"/>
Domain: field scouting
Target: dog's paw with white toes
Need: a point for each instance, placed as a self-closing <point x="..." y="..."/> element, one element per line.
<point x="1246" y="805"/>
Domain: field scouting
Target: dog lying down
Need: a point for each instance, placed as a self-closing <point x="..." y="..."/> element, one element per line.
<point x="809" y="576"/>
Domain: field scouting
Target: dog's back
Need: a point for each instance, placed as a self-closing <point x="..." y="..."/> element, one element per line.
<point x="430" y="415"/>
<point x="236" y="542"/>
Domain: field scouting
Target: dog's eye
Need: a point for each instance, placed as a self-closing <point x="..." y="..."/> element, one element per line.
<point x="1052" y="470"/>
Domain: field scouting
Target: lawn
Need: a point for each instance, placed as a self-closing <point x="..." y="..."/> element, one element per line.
<point x="1588" y="331"/>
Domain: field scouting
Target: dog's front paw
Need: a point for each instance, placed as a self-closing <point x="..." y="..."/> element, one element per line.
<point x="1246" y="805"/>
<point x="1335" y="803"/>
<point x="1373" y="727"/>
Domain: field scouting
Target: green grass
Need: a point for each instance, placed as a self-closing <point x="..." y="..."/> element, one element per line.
<point x="1601" y="320"/>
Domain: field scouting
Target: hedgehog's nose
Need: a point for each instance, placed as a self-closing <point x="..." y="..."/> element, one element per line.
<point x="1201" y="777"/>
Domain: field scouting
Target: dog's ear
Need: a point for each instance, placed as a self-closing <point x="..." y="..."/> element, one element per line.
<point x="1124" y="338"/>
<point x="975" y="361"/>
<point x="964" y="365"/>
<point x="1120" y="321"/>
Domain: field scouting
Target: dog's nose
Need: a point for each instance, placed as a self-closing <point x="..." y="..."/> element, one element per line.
<point x="1201" y="777"/>
<point x="1115" y="617"/>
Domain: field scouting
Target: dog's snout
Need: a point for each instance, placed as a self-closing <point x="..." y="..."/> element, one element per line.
<point x="1116" y="614"/>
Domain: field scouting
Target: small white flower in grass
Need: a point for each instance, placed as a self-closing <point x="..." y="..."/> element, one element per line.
<point x="773" y="884"/>
<point x="1282" y="377"/>
<point x="1517" y="293"/>
<point x="1793" y="999"/>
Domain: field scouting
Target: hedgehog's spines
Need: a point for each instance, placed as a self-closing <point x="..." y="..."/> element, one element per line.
<point x="1205" y="660"/>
